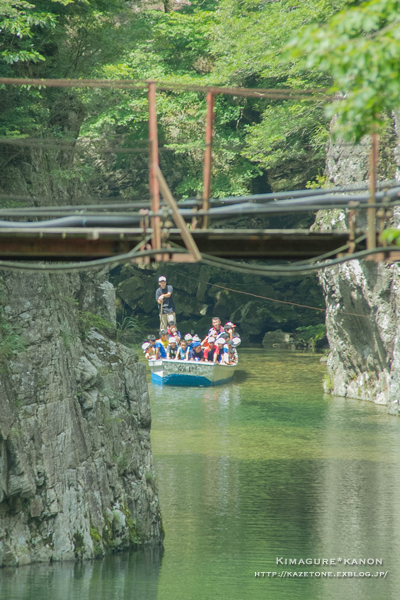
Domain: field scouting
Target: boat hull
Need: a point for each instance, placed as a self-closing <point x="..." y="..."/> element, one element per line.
<point x="183" y="373"/>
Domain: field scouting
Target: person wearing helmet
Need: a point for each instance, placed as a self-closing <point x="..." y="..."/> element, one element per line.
<point x="229" y="328"/>
<point x="236" y="341"/>
<point x="149" y="351"/>
<point x="189" y="340"/>
<point x="172" y="348"/>
<point x="231" y="356"/>
<point x="221" y="350"/>
<point x="210" y="352"/>
<point x="196" y="352"/>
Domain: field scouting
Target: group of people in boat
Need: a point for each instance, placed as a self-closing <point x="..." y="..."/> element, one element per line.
<point x="218" y="346"/>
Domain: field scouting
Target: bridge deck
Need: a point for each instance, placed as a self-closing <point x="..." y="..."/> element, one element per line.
<point x="90" y="243"/>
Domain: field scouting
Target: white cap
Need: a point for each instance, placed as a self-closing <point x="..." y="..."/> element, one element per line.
<point x="162" y="278"/>
<point x="196" y="338"/>
<point x="220" y="341"/>
<point x="188" y="337"/>
<point x="236" y="341"/>
<point x="172" y="340"/>
<point x="145" y="346"/>
<point x="211" y="339"/>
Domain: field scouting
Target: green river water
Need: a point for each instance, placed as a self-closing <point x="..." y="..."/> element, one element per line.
<point x="263" y="468"/>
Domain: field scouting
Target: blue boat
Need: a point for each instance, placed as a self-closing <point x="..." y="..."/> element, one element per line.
<point x="192" y="374"/>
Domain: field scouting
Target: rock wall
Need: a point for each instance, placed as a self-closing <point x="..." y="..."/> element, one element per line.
<point x="362" y="297"/>
<point x="76" y="470"/>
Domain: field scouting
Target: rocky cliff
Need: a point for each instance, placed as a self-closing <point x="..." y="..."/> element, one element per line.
<point x="76" y="471"/>
<point x="364" y="358"/>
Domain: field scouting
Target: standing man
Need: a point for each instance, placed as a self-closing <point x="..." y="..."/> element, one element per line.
<point x="165" y="302"/>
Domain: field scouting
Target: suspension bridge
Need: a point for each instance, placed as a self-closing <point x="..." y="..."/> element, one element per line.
<point x="198" y="229"/>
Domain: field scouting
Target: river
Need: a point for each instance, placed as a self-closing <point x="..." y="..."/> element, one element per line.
<point x="266" y="468"/>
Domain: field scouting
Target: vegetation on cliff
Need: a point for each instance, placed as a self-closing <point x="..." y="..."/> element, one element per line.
<point x="350" y="46"/>
<point x="360" y="48"/>
<point x="260" y="144"/>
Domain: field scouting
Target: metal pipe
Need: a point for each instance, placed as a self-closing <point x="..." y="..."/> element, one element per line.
<point x="128" y="219"/>
<point x="208" y="156"/>
<point x="153" y="160"/>
<point x="371" y="211"/>
<point x="129" y="203"/>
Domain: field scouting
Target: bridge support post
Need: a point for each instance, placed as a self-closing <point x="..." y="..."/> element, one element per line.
<point x="208" y="157"/>
<point x="371" y="211"/>
<point x="153" y="164"/>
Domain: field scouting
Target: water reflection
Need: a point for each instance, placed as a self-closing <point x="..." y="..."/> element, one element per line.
<point x="123" y="577"/>
<point x="269" y="467"/>
<point x="358" y="486"/>
<point x="265" y="468"/>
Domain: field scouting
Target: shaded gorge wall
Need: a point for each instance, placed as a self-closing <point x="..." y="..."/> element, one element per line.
<point x="364" y="359"/>
<point x="76" y="469"/>
<point x="199" y="294"/>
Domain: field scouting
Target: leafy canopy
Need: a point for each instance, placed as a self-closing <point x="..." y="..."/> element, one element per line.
<point x="19" y="21"/>
<point x="360" y="48"/>
<point x="260" y="144"/>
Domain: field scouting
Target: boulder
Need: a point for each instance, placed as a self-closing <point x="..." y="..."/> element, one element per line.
<point x="277" y="339"/>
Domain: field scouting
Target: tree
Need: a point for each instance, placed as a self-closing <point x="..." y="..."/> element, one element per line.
<point x="360" y="48"/>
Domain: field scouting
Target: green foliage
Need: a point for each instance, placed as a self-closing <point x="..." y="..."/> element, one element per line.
<point x="130" y="325"/>
<point x="96" y="538"/>
<point x="328" y="384"/>
<point x="122" y="462"/>
<point x="79" y="545"/>
<point x="360" y="48"/>
<point x="19" y="22"/>
<point x="134" y="537"/>
<point x="390" y="236"/>
<point x="286" y="138"/>
<point x="52" y="38"/>
<point x="88" y="320"/>
<point x="310" y="336"/>
<point x="150" y="478"/>
<point x="67" y="337"/>
<point x="320" y="181"/>
<point x="107" y="534"/>
<point x="11" y="341"/>
<point x="259" y="144"/>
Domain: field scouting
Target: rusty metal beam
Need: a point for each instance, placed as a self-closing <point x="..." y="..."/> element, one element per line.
<point x="154" y="188"/>
<point x="85" y="243"/>
<point x="141" y="84"/>
<point x="179" y="220"/>
<point x="208" y="157"/>
<point x="371" y="210"/>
